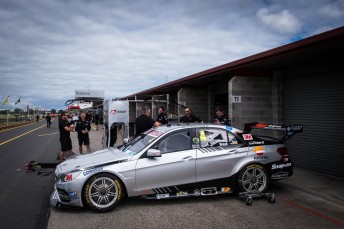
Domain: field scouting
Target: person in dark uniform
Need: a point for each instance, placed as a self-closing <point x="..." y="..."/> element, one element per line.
<point x="48" y="118"/>
<point x="113" y="134"/>
<point x="144" y="122"/>
<point x="37" y="118"/>
<point x="221" y="118"/>
<point x="83" y="126"/>
<point x="96" y="120"/>
<point x="189" y="117"/>
<point x="65" y="128"/>
<point x="162" y="117"/>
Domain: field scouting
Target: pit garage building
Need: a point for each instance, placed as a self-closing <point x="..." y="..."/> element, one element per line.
<point x="298" y="83"/>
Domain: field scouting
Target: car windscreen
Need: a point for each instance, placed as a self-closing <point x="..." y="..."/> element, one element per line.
<point x="140" y="142"/>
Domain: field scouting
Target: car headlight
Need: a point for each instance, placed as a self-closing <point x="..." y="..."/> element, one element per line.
<point x="70" y="176"/>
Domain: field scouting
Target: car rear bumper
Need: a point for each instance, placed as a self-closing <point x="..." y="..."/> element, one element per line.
<point x="280" y="170"/>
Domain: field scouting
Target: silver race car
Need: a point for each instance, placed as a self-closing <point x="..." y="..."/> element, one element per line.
<point x="176" y="161"/>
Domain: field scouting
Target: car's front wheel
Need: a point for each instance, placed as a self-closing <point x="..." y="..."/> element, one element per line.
<point x="102" y="192"/>
<point x="253" y="177"/>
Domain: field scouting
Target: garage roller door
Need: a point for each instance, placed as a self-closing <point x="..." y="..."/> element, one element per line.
<point x="317" y="103"/>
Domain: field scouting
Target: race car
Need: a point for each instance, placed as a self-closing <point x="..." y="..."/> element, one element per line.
<point x="175" y="161"/>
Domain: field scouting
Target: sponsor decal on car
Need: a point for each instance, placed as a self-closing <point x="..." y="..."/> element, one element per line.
<point x="73" y="195"/>
<point x="195" y="140"/>
<point x="93" y="170"/>
<point x="162" y="196"/>
<point x="279" y="175"/>
<point x="225" y="189"/>
<point x="281" y="166"/>
<point x="197" y="192"/>
<point x="259" y="150"/>
<point x="181" y="193"/>
<point x="261" y="158"/>
<point x="155" y="133"/>
<point x="256" y="143"/>
<point x="247" y="137"/>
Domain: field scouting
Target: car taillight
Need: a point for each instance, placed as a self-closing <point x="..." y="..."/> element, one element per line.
<point x="283" y="151"/>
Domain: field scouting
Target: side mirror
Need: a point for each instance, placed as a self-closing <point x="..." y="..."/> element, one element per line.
<point x="153" y="153"/>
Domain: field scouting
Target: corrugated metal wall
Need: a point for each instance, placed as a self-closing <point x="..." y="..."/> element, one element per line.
<point x="317" y="102"/>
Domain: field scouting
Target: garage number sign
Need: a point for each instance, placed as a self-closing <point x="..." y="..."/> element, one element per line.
<point x="236" y="99"/>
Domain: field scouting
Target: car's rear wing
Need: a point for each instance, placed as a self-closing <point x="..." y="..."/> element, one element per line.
<point x="290" y="130"/>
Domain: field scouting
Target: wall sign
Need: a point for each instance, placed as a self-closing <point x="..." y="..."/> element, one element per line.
<point x="236" y="99"/>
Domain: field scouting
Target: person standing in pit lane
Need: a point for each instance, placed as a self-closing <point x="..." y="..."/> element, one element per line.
<point x="83" y="126"/>
<point x="66" y="142"/>
<point x="48" y="118"/>
<point x="144" y="122"/>
<point x="162" y="117"/>
<point x="221" y="118"/>
<point x="189" y="117"/>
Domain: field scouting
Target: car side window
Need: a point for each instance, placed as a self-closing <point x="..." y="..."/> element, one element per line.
<point x="175" y="142"/>
<point x="211" y="137"/>
<point x="233" y="140"/>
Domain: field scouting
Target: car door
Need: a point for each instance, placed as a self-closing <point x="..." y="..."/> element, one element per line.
<point x="176" y="166"/>
<point x="218" y="151"/>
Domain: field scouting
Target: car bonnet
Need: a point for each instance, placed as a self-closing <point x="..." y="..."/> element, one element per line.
<point x="93" y="159"/>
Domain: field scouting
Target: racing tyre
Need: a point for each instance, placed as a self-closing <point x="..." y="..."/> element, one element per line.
<point x="102" y="192"/>
<point x="253" y="178"/>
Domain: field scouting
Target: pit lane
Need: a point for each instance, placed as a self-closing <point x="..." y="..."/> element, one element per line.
<point x="305" y="200"/>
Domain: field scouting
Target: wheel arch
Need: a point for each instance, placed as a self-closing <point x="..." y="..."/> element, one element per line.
<point x="244" y="162"/>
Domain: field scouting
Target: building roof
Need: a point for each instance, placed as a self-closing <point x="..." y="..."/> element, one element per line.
<point x="261" y="64"/>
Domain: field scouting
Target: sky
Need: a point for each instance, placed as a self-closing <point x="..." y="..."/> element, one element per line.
<point x="50" y="48"/>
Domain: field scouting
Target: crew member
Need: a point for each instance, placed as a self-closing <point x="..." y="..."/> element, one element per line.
<point x="144" y="122"/>
<point x="221" y="118"/>
<point x="48" y="118"/>
<point x="162" y="117"/>
<point x="189" y="117"/>
<point x="83" y="126"/>
<point x="65" y="128"/>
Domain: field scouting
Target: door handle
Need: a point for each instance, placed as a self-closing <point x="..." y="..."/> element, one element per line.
<point x="189" y="158"/>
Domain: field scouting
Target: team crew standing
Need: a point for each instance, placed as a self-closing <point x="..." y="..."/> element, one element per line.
<point x="221" y="118"/>
<point x="65" y="128"/>
<point x="162" y="117"/>
<point x="144" y="122"/>
<point x="189" y="117"/>
<point x="83" y="126"/>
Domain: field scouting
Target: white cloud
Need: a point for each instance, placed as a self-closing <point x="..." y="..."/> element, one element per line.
<point x="50" y="48"/>
<point x="284" y="22"/>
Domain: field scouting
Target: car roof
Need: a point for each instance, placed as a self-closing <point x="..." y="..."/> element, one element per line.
<point x="175" y="126"/>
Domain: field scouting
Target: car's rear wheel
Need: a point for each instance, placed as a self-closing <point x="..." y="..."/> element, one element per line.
<point x="253" y="177"/>
<point x="102" y="192"/>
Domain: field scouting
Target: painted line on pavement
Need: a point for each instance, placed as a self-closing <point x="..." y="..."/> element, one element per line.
<point x="47" y="134"/>
<point x="314" y="212"/>
<point x="2" y="143"/>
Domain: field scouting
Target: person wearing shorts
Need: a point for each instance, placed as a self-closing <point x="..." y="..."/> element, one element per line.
<point x="83" y="126"/>
<point x="66" y="143"/>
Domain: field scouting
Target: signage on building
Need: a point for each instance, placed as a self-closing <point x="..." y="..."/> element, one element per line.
<point x="236" y="99"/>
<point x="89" y="94"/>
